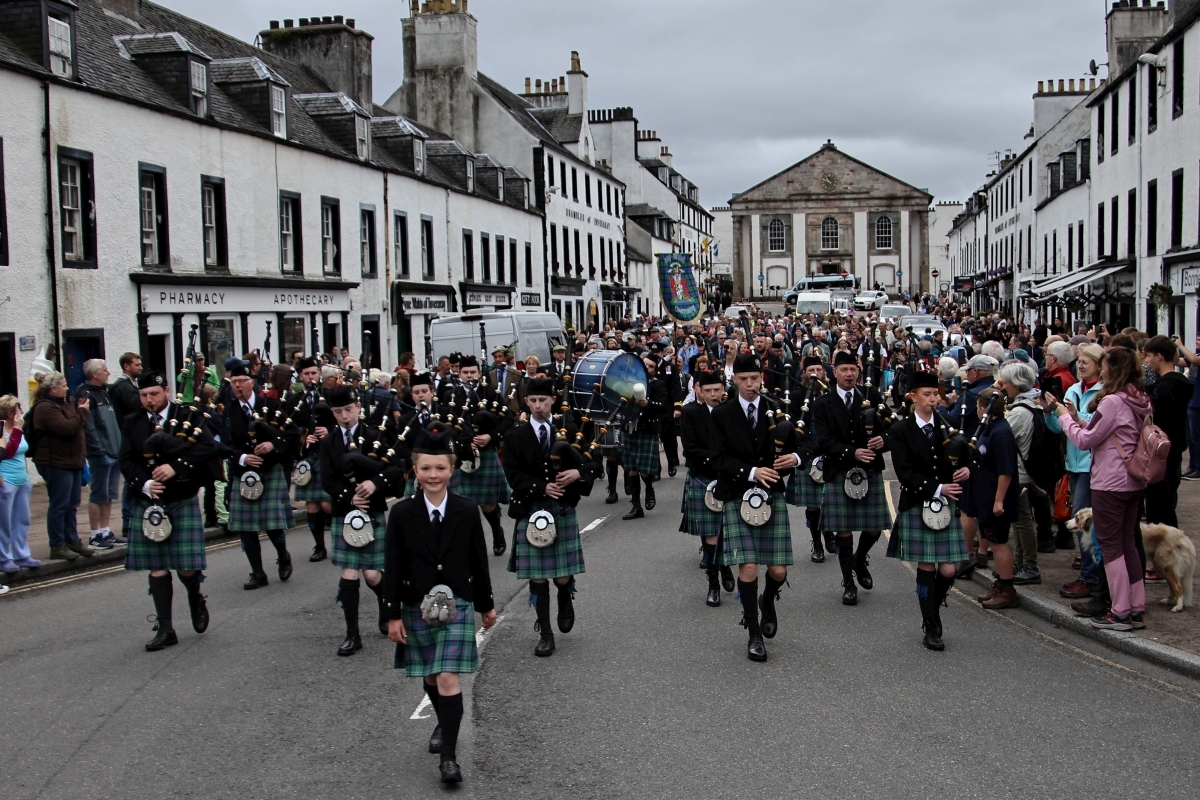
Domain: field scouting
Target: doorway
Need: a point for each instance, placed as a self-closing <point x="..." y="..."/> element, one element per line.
<point x="80" y="346"/>
<point x="155" y="358"/>
<point x="220" y="344"/>
<point x="370" y="342"/>
<point x="8" y="363"/>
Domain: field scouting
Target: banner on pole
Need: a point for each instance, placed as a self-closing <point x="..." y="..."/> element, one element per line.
<point x="680" y="297"/>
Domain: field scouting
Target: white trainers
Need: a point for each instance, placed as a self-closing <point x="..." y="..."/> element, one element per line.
<point x="3" y="589"/>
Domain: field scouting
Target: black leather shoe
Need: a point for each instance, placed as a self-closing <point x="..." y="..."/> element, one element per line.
<point x="450" y="770"/>
<point x="755" y="649"/>
<point x="566" y="613"/>
<point x="545" y="645"/>
<point x="285" y="568"/>
<point x="932" y="640"/>
<point x="714" y="596"/>
<point x="651" y="502"/>
<point x="319" y="554"/>
<point x="671" y="471"/>
<point x="863" y="574"/>
<point x="199" y="613"/>
<point x="818" y="555"/>
<point x="498" y="544"/>
<point x="769" y="625"/>
<point x="727" y="581"/>
<point x="435" y="740"/>
<point x="849" y="593"/>
<point x="635" y="513"/>
<point x="352" y="644"/>
<point x="164" y="638"/>
<point x="611" y="498"/>
<point x="257" y="579"/>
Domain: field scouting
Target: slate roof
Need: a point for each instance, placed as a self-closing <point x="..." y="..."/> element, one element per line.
<point x="645" y="210"/>
<point x="148" y="44"/>
<point x="241" y="70"/>
<point x="395" y="126"/>
<point x="328" y="103"/>
<point x="562" y="126"/>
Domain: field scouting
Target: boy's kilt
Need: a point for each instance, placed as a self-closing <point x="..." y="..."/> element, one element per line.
<point x="913" y="541"/>
<point x="183" y="549"/>
<point x="347" y="557"/>
<point x="271" y="512"/>
<point x="840" y="513"/>
<point x="769" y="544"/>
<point x="410" y="487"/>
<point x="435" y="649"/>
<point x="803" y="491"/>
<point x="312" y="493"/>
<point x="700" y="520"/>
<point x="486" y="486"/>
<point x="639" y="453"/>
<point x="559" y="560"/>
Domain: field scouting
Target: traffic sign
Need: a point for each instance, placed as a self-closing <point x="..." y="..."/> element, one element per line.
<point x="934" y="273"/>
<point x="845" y="274"/>
<point x="899" y="273"/>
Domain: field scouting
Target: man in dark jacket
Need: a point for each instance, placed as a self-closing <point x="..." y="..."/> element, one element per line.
<point x="124" y="394"/>
<point x="103" y="449"/>
<point x="1171" y="394"/>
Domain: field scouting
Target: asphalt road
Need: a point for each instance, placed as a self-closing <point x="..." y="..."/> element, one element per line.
<point x="650" y="695"/>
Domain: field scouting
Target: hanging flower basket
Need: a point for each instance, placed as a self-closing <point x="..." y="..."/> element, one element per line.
<point x="1160" y="295"/>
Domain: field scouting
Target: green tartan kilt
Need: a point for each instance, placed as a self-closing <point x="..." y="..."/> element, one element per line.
<point x="560" y="560"/>
<point x="803" y="491"/>
<point x="435" y="649"/>
<point x="840" y="513"/>
<point x="313" y="493"/>
<point x="639" y="453"/>
<point x="271" y="512"/>
<point x="487" y="485"/>
<point x="769" y="544"/>
<point x="347" y="557"/>
<point x="410" y="487"/>
<point x="912" y="540"/>
<point x="183" y="549"/>
<point x="700" y="520"/>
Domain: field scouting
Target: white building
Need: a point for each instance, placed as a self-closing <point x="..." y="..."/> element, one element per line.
<point x="196" y="185"/>
<point x="941" y="220"/>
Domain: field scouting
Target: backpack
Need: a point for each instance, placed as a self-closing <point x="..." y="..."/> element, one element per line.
<point x="28" y="432"/>
<point x="1148" y="463"/>
<point x="1046" y="461"/>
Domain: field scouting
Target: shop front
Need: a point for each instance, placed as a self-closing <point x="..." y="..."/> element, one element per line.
<point x="224" y="316"/>
<point x="414" y="307"/>
<point x="1183" y="276"/>
<point x="487" y="296"/>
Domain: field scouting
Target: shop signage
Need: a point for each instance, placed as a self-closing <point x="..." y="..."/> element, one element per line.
<point x="964" y="284"/>
<point x="210" y="299"/>
<point x="497" y="299"/>
<point x="28" y="343"/>
<point x="421" y="303"/>
<point x="722" y="269"/>
<point x="531" y="299"/>
<point x="1190" y="280"/>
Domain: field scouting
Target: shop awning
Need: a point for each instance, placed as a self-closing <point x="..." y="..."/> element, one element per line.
<point x="1065" y="283"/>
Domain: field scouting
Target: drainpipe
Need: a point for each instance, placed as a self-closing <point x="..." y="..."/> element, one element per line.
<point x="51" y="258"/>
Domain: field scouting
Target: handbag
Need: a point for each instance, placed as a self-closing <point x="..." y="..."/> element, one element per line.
<point x="1148" y="464"/>
<point x="1062" y="500"/>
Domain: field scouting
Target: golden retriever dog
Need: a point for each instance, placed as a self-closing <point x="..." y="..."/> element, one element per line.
<point x="1174" y="556"/>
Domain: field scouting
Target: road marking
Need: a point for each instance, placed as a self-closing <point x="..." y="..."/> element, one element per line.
<point x="596" y="523"/>
<point x="424" y="704"/>
<point x="481" y="636"/>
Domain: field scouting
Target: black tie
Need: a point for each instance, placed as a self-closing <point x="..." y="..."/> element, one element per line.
<point x="312" y="401"/>
<point x="544" y="437"/>
<point x="435" y="517"/>
<point x="346" y="432"/>
<point x="850" y="402"/>
<point x="928" y="428"/>
<point x="750" y="416"/>
<point x="248" y="411"/>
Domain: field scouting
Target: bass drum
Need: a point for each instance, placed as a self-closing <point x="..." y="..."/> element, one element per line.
<point x="601" y="379"/>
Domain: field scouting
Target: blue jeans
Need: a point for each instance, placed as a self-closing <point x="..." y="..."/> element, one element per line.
<point x="14" y="521"/>
<point x="126" y="509"/>
<point x="1081" y="497"/>
<point x="1193" y="439"/>
<point x="65" y="487"/>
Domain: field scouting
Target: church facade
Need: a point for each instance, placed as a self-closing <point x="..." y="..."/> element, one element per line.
<point x="826" y="215"/>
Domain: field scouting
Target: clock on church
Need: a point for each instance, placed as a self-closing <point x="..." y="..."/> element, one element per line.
<point x="829" y="182"/>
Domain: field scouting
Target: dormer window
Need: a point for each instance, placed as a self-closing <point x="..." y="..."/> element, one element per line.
<point x="199" y="89"/>
<point x="500" y="184"/>
<point x="470" y="176"/>
<point x="278" y="111"/>
<point x="363" y="137"/>
<point x="60" y="47"/>
<point x="418" y="156"/>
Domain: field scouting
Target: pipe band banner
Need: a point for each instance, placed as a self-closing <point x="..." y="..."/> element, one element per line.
<point x="679" y="295"/>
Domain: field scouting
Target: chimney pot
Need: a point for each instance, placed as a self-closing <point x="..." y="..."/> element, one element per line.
<point x="287" y="23"/>
<point x="274" y="25"/>
<point x="538" y="84"/>
<point x="1072" y="84"/>
<point x="1091" y="84"/>
<point x="562" y="82"/>
<point x="414" y="7"/>
<point x="350" y="23"/>
<point x="327" y="20"/>
<point x="1061" y="85"/>
<point x="304" y="22"/>
<point x="1041" y="87"/>
<point x="337" y="20"/>
<point x="527" y="85"/>
<point x="575" y="67"/>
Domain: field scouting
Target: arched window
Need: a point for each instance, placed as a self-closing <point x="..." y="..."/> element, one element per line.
<point x="776" y="242"/>
<point x="830" y="236"/>
<point x="883" y="233"/>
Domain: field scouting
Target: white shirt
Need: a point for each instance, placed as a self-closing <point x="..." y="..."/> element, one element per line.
<point x="537" y="430"/>
<point x="845" y="395"/>
<point x="430" y="507"/>
<point x="757" y="416"/>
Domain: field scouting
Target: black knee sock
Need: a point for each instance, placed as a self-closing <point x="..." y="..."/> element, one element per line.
<point x="648" y="480"/>
<point x="541" y="598"/>
<point x="749" y="590"/>
<point x="279" y="539"/>
<point x="941" y="587"/>
<point x="611" y="470"/>
<point x="866" y="541"/>
<point x="450" y="714"/>
<point x="348" y="594"/>
<point x="253" y="550"/>
<point x="812" y="516"/>
<point x="925" y="592"/>
<point x="493" y="518"/>
<point x="771" y="589"/>
<point x="845" y="552"/>
<point x="192" y="584"/>
<point x="633" y="487"/>
<point x="710" y="554"/>
<point x="377" y="589"/>
<point x="435" y="699"/>
<point x="316" y="525"/>
<point x="161" y="589"/>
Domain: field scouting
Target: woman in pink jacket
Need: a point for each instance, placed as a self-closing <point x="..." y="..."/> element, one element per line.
<point x="1119" y="412"/>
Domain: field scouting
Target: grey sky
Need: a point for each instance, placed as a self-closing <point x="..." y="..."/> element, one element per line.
<point x="740" y="89"/>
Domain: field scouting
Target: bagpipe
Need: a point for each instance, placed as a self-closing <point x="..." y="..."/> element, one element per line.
<point x="168" y="443"/>
<point x="479" y="417"/>
<point x="365" y="460"/>
<point x="960" y="451"/>
<point x="875" y="418"/>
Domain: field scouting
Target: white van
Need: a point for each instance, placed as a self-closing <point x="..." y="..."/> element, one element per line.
<point x="529" y="332"/>
<point x="813" y="303"/>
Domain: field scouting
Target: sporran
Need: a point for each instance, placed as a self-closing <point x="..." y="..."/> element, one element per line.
<point x="935" y="514"/>
<point x="156" y="525"/>
<point x="250" y="485"/>
<point x="756" y="507"/>
<point x="302" y="475"/>
<point x="817" y="470"/>
<point x="541" y="531"/>
<point x="357" y="529"/>
<point x="856" y="484"/>
<point x="439" y="606"/>
<point x="711" y="502"/>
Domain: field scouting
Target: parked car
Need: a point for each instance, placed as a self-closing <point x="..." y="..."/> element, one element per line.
<point x="812" y="303"/>
<point x="733" y="312"/>
<point x="894" y="311"/>
<point x="870" y="300"/>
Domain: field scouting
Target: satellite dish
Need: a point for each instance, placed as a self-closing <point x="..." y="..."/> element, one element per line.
<point x="1094" y="68"/>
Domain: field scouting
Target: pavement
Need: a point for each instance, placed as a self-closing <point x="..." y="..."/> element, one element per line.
<point x="650" y="695"/>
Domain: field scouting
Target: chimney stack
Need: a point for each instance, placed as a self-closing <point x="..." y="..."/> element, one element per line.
<point x="577" y="95"/>
<point x="336" y="52"/>
<point x="1132" y="29"/>
<point x="441" y="63"/>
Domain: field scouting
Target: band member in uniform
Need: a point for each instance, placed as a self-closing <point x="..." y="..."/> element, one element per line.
<point x="696" y="425"/>
<point x="752" y="463"/>
<point x="169" y="477"/>
<point x="852" y="446"/>
<point x="425" y="407"/>
<point x="260" y="454"/>
<point x="314" y="421"/>
<point x="436" y="568"/>
<point x="639" y="453"/>
<point x="538" y="486"/>
<point x="360" y="469"/>
<point x="486" y="485"/>
<point x="927" y="531"/>
<point x="677" y="383"/>
<point x="802" y="489"/>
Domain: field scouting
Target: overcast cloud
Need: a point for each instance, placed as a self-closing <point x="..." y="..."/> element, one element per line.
<point x="741" y="89"/>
